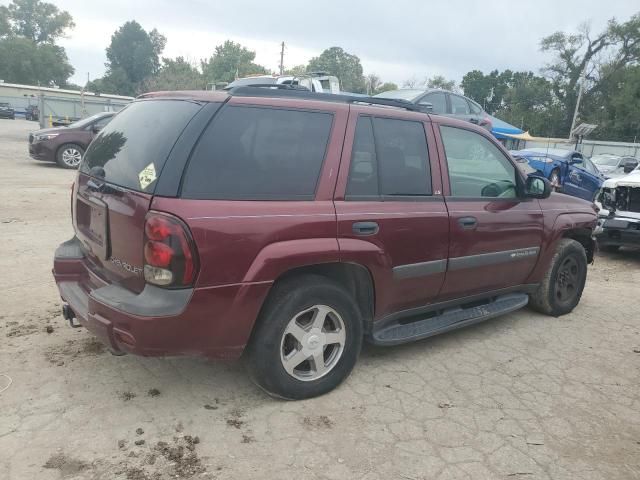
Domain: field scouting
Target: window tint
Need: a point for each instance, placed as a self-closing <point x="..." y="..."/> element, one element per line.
<point x="389" y="157"/>
<point x="459" y="105"/>
<point x="475" y="108"/>
<point x="102" y="122"/>
<point x="250" y="153"/>
<point x="438" y="100"/>
<point x="131" y="149"/>
<point x="363" y="173"/>
<point x="477" y="168"/>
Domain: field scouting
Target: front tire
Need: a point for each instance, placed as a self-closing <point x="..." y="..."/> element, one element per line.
<point x="306" y="340"/>
<point x="69" y="155"/>
<point x="562" y="285"/>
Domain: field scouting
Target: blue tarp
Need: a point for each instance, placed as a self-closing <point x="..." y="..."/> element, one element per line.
<point x="501" y="127"/>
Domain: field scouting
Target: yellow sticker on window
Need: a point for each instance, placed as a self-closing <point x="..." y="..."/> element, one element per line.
<point x="147" y="176"/>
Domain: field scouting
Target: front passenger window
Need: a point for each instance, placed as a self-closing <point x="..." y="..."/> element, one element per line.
<point x="477" y="168"/>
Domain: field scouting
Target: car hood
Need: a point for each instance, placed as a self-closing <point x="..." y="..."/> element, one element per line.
<point x="630" y="180"/>
<point x="44" y="131"/>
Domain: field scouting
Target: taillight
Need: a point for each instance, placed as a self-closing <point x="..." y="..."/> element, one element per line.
<point x="170" y="258"/>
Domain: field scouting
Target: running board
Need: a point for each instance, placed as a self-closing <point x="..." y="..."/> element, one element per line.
<point x="448" y="319"/>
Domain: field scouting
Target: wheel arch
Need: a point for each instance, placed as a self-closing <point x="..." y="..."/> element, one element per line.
<point x="355" y="278"/>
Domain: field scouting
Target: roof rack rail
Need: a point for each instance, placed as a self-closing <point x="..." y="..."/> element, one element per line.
<point x="297" y="91"/>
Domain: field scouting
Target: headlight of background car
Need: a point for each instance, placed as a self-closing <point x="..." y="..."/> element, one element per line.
<point x="46" y="136"/>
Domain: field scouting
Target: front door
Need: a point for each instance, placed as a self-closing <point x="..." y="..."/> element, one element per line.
<point x="495" y="236"/>
<point x="391" y="213"/>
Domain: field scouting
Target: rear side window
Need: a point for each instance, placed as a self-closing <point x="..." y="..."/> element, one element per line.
<point x="131" y="149"/>
<point x="389" y="158"/>
<point x="437" y="100"/>
<point x="252" y="153"/>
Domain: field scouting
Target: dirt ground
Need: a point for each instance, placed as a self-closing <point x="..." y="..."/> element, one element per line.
<point x="522" y="396"/>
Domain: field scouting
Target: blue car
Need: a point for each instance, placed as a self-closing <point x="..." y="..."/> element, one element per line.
<point x="567" y="170"/>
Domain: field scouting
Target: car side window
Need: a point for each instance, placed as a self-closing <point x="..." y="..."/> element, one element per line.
<point x="389" y="159"/>
<point x="477" y="168"/>
<point x="437" y="100"/>
<point x="475" y="108"/>
<point x="459" y="105"/>
<point x="256" y="153"/>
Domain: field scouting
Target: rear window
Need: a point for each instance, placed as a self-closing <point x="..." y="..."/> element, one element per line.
<point x="131" y="149"/>
<point x="252" y="153"/>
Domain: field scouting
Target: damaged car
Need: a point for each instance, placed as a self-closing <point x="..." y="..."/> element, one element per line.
<point x="619" y="215"/>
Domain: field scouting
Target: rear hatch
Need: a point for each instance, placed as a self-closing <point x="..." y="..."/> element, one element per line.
<point x="116" y="182"/>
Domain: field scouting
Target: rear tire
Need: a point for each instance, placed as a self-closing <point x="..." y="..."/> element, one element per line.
<point x="69" y="155"/>
<point x="562" y="285"/>
<point x="306" y="340"/>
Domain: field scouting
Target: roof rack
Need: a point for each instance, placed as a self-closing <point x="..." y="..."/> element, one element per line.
<point x="297" y="91"/>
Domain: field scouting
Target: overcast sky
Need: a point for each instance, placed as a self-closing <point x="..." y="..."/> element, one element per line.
<point x="397" y="40"/>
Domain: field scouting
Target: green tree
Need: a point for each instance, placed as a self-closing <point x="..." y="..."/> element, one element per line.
<point x="24" y="61"/>
<point x="133" y="57"/>
<point x="581" y="53"/>
<point x="488" y="90"/>
<point x="296" y="70"/>
<point x="343" y="65"/>
<point x="385" y="87"/>
<point x="439" y="81"/>
<point x="176" y="74"/>
<point x="38" y="21"/>
<point x="28" y="54"/>
<point x="230" y="61"/>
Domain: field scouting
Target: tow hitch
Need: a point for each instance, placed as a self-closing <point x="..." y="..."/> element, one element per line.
<point x="70" y="315"/>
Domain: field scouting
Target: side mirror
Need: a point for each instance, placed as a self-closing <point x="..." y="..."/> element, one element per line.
<point x="630" y="166"/>
<point x="575" y="160"/>
<point x="537" y="187"/>
<point x="426" y="107"/>
<point x="96" y="128"/>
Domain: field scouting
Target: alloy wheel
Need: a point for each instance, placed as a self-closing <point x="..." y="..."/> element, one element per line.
<point x="312" y="343"/>
<point x="71" y="157"/>
<point x="568" y="279"/>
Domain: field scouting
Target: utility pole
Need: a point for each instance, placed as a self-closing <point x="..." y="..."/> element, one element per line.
<point x="282" y="59"/>
<point x="575" y="112"/>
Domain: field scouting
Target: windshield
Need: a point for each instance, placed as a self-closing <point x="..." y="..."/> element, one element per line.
<point x="86" y="121"/>
<point x="404" y="94"/>
<point x="243" y="82"/>
<point x="606" y="160"/>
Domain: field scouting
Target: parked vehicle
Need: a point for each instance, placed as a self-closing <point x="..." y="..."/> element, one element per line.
<point x="320" y="82"/>
<point x="614" y="165"/>
<point x="32" y="112"/>
<point x="619" y="215"/>
<point x="567" y="170"/>
<point x="7" y="111"/>
<point x="443" y="102"/>
<point x="291" y="225"/>
<point x="66" y="145"/>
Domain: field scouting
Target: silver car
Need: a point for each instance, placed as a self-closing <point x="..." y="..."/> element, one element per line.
<point x="443" y="102"/>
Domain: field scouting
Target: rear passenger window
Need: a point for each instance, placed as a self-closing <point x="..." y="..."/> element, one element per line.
<point x="389" y="158"/>
<point x="251" y="153"/>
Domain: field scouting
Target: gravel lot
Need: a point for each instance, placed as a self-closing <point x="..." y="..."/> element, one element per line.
<point x="522" y="396"/>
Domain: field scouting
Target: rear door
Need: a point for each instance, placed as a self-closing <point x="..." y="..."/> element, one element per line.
<point x="438" y="102"/>
<point x="495" y="236"/>
<point x="391" y="214"/>
<point x="460" y="108"/>
<point x="116" y="183"/>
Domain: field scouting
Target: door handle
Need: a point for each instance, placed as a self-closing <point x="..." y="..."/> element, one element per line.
<point x="468" y="223"/>
<point x="365" y="228"/>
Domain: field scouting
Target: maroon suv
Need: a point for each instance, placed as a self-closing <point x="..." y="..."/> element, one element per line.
<point x="292" y="225"/>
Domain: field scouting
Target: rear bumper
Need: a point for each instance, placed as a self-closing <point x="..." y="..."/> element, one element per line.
<point x="618" y="231"/>
<point x="214" y="322"/>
